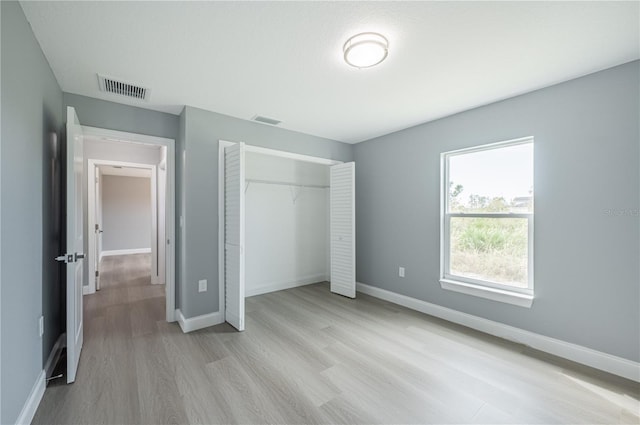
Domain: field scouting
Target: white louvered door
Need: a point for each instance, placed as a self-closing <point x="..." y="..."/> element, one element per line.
<point x="234" y="235"/>
<point x="343" y="229"/>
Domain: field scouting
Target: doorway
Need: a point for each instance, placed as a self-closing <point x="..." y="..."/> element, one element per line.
<point x="128" y="200"/>
<point x="110" y="155"/>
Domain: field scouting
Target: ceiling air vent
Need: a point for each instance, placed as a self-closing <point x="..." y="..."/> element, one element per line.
<point x="111" y="85"/>
<point x="266" y="120"/>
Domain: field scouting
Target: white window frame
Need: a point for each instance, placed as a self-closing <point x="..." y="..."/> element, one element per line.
<point x="486" y="289"/>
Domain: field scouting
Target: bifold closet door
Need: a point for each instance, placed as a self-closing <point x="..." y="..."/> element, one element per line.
<point x="234" y="228"/>
<point x="342" y="225"/>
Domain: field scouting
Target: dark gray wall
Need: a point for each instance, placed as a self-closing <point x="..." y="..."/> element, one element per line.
<point x="587" y="163"/>
<point x="203" y="129"/>
<point x="31" y="116"/>
<point x="126" y="212"/>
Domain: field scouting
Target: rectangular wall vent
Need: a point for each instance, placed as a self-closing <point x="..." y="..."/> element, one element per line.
<point x="266" y="120"/>
<point x="111" y="85"/>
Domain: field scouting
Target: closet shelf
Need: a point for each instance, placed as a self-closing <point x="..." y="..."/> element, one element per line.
<point x="318" y="186"/>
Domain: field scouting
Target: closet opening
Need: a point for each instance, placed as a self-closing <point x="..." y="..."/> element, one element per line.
<point x="285" y="220"/>
<point x="287" y="223"/>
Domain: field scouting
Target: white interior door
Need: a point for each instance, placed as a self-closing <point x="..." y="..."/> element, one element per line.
<point x="342" y="225"/>
<point x="154" y="227"/>
<point x="75" y="244"/>
<point x="162" y="232"/>
<point x="98" y="226"/>
<point x="98" y="223"/>
<point x="234" y="169"/>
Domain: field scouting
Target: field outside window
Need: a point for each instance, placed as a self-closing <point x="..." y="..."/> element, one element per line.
<point x="488" y="216"/>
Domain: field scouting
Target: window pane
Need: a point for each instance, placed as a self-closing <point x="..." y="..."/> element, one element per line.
<point x="490" y="249"/>
<point x="495" y="180"/>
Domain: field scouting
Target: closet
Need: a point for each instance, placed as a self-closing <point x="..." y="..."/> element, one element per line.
<point x="289" y="220"/>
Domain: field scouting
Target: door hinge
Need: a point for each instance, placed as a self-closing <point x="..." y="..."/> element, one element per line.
<point x="97" y="273"/>
<point x="97" y="227"/>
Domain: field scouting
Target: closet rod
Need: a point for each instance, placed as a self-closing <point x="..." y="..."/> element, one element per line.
<point x="285" y="183"/>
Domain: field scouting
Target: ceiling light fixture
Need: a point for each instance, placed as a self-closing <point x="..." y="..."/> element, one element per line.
<point x="365" y="50"/>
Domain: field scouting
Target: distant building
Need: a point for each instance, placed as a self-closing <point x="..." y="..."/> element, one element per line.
<point x="521" y="204"/>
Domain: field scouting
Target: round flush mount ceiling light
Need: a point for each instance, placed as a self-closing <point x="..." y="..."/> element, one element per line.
<point x="365" y="50"/>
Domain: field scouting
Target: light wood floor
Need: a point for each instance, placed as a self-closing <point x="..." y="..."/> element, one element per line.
<point x="309" y="357"/>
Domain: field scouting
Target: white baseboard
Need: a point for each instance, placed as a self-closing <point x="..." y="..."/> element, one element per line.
<point x="33" y="401"/>
<point x="125" y="252"/>
<point x="54" y="355"/>
<point x="87" y="290"/>
<point x="198" y="322"/>
<point x="279" y="286"/>
<point x="577" y="353"/>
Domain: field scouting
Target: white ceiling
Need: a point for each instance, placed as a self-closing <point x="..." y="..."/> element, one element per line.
<point x="284" y="59"/>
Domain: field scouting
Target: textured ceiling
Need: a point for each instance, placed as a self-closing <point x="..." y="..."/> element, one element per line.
<point x="284" y="59"/>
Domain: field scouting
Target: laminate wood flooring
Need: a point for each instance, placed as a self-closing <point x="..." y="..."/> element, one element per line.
<point x="311" y="357"/>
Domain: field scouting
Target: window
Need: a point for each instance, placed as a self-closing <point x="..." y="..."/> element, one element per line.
<point x="487" y="221"/>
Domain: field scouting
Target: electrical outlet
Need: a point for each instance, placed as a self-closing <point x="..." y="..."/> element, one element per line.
<point x="202" y="285"/>
<point x="401" y="271"/>
<point x="41" y="326"/>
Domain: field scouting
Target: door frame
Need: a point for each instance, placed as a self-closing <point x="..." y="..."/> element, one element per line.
<point x="222" y="144"/>
<point x="92" y="164"/>
<point x="170" y="207"/>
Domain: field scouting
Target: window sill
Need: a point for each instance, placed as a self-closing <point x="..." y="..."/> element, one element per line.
<point x="515" y="298"/>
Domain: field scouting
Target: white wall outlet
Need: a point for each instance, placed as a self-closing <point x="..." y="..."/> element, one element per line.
<point x="41" y="326"/>
<point x="202" y="285"/>
<point x="401" y="271"/>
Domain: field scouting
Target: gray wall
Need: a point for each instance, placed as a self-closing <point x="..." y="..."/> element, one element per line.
<point x="115" y="116"/>
<point x="203" y="129"/>
<point x="587" y="152"/>
<point x="31" y="115"/>
<point x="126" y="212"/>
